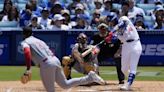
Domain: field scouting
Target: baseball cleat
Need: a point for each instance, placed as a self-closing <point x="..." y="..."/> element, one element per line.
<point x="125" y="87"/>
<point x="96" y="78"/>
<point x="121" y="83"/>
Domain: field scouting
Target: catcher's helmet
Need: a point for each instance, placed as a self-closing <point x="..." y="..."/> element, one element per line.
<point x="82" y="38"/>
<point x="112" y="17"/>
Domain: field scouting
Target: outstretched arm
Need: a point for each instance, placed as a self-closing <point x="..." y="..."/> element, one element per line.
<point x="27" y="54"/>
<point x="120" y="25"/>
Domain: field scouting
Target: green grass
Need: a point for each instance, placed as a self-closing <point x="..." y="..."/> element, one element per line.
<point x="13" y="73"/>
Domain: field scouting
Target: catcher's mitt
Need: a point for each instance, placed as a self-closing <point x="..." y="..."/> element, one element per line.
<point x="26" y="77"/>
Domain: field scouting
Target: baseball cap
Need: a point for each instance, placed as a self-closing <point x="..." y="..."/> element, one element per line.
<point x="79" y="6"/>
<point x="65" y="11"/>
<point x="102" y="25"/>
<point x="139" y="19"/>
<point x="44" y="10"/>
<point x="58" y="17"/>
<point x="34" y="17"/>
<point x="157" y="1"/>
<point x="82" y="16"/>
<point x="58" y="5"/>
<point x="100" y="1"/>
<point x="107" y="1"/>
<point x="159" y="7"/>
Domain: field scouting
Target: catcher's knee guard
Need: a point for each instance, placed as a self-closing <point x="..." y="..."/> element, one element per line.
<point x="66" y="62"/>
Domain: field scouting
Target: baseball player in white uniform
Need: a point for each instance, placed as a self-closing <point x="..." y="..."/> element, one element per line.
<point x="131" y="48"/>
<point x="50" y="66"/>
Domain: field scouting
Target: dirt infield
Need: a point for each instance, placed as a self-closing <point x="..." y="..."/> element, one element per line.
<point x="36" y="86"/>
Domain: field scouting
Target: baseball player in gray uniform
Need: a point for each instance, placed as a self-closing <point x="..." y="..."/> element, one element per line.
<point x="50" y="66"/>
<point x="131" y="48"/>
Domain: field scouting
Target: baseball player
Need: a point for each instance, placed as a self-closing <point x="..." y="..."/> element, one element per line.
<point x="83" y="58"/>
<point x="131" y="48"/>
<point x="50" y="66"/>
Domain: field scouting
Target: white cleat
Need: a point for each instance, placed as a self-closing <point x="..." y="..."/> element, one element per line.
<point x="96" y="78"/>
<point x="125" y="87"/>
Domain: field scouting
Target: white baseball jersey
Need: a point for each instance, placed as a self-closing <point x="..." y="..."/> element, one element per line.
<point x="129" y="32"/>
<point x="39" y="49"/>
<point x="131" y="47"/>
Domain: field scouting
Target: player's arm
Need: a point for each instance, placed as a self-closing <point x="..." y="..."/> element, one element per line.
<point x="77" y="55"/>
<point x="93" y="49"/>
<point x="27" y="53"/>
<point x="121" y="24"/>
<point x="111" y="35"/>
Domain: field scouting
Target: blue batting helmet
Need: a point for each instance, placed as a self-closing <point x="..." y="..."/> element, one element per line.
<point x="112" y="17"/>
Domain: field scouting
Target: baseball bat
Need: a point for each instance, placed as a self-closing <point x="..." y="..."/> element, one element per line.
<point x="89" y="50"/>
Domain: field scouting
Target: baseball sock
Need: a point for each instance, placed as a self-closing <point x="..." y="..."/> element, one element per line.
<point x="131" y="78"/>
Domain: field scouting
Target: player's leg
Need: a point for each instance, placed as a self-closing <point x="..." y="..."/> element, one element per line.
<point x="120" y="74"/>
<point x="125" y="59"/>
<point x="91" y="77"/>
<point x="64" y="83"/>
<point x="95" y="64"/>
<point x="125" y="63"/>
<point x="135" y="55"/>
<point x="134" y="59"/>
<point x="48" y="78"/>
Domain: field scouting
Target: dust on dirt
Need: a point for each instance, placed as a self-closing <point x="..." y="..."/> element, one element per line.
<point x="112" y="86"/>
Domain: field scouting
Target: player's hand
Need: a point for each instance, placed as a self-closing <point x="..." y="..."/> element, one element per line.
<point x="95" y="50"/>
<point x="26" y="77"/>
<point x="109" y="37"/>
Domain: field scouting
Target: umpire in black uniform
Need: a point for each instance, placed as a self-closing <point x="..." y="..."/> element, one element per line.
<point x="108" y="50"/>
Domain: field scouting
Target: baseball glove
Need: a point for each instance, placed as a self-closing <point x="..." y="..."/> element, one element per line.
<point x="26" y="77"/>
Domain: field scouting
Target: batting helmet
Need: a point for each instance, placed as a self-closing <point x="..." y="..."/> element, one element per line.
<point x="112" y="17"/>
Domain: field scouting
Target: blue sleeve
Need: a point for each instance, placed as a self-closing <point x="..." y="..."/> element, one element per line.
<point x="120" y="25"/>
<point x="114" y="39"/>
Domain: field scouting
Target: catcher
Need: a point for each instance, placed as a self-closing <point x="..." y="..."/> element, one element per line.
<point x="83" y="58"/>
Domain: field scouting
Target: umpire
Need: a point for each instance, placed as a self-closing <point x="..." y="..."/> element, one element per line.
<point x="108" y="50"/>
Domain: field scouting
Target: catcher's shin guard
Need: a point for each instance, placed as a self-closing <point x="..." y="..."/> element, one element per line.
<point x="66" y="62"/>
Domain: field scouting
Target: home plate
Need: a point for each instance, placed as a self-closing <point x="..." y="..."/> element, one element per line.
<point x="87" y="90"/>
